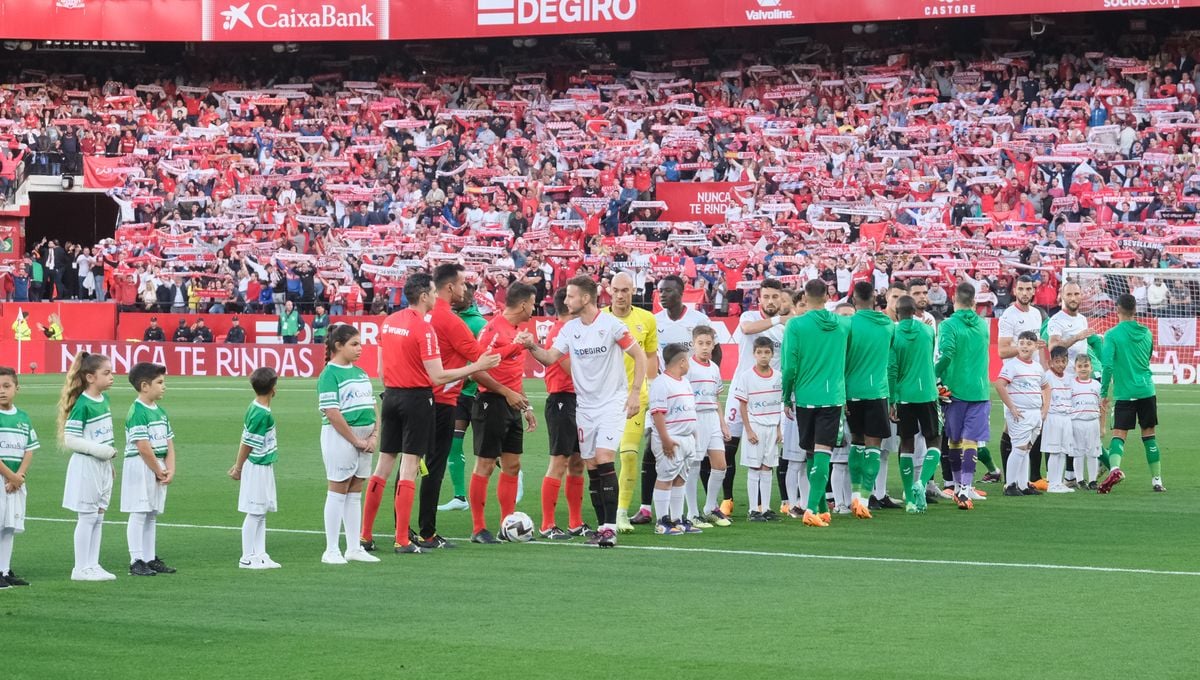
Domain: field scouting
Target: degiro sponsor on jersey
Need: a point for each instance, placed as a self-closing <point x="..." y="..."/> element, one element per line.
<point x="510" y="12"/>
<point x="269" y="15"/>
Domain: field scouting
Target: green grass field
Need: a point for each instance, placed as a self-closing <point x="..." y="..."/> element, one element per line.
<point x="1078" y="585"/>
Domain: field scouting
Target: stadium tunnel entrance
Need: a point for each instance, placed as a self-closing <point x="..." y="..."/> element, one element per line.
<point x="67" y="216"/>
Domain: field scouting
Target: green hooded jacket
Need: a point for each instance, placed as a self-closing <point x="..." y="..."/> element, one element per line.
<point x="1126" y="361"/>
<point x="867" y="356"/>
<point x="910" y="368"/>
<point x="962" y="364"/>
<point x="814" y="360"/>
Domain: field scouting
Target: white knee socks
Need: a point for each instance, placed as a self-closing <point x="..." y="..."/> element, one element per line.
<point x="766" y="481"/>
<point x="87" y="539"/>
<point x="662" y="503"/>
<point x="677" y="503"/>
<point x="352" y="519"/>
<point x="6" y="546"/>
<point x="335" y="509"/>
<point x="840" y="477"/>
<point x="716" y="480"/>
<point x="752" y="491"/>
<point x="881" y="479"/>
<point x="140" y="534"/>
<point x="1014" y="470"/>
<point x="690" y="491"/>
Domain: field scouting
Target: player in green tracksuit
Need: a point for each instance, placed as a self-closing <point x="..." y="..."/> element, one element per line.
<point x="814" y="387"/>
<point x="462" y="418"/>
<point x="1127" y="380"/>
<point x="867" y="392"/>
<point x="914" y="398"/>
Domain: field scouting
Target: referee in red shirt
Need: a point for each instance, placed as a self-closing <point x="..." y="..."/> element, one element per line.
<point x="458" y="347"/>
<point x="412" y="367"/>
<point x="564" y="440"/>
<point x="498" y="427"/>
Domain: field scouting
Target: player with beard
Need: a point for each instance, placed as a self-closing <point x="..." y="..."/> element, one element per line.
<point x="456" y="465"/>
<point x="1068" y="328"/>
<point x="564" y="440"/>
<point x="597" y="343"/>
<point x="1017" y="318"/>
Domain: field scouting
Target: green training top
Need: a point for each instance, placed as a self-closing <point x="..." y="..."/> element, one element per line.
<point x="963" y="357"/>
<point x="475" y="322"/>
<point x="147" y="423"/>
<point x="910" y="365"/>
<point x="1126" y="361"/>
<point x="349" y="390"/>
<point x="814" y="360"/>
<point x="258" y="432"/>
<point x="867" y="355"/>
<point x="91" y="419"/>
<point x="16" y="437"/>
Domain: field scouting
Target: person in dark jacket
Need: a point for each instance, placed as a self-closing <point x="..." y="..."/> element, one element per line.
<point x="236" y="334"/>
<point x="182" y="333"/>
<point x="201" y="332"/>
<point x="155" y="332"/>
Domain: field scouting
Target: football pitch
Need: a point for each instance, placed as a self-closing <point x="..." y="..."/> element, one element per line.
<point x="1076" y="585"/>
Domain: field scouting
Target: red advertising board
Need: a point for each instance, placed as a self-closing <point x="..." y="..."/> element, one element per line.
<point x="328" y="20"/>
<point x="290" y="361"/>
<point x="706" y="202"/>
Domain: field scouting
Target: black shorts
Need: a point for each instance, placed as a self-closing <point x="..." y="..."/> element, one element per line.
<point x="465" y="410"/>
<point x="917" y="418"/>
<point x="820" y="426"/>
<point x="443" y="430"/>
<point x="869" y="418"/>
<point x="1129" y="413"/>
<point x="560" y="423"/>
<point x="498" y="428"/>
<point x="408" y="420"/>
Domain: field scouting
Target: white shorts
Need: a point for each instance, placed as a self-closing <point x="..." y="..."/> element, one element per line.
<point x="1086" y="438"/>
<point x="708" y="432"/>
<point x="89" y="484"/>
<point x="733" y="417"/>
<point x="1057" y="434"/>
<point x="12" y="509"/>
<point x="140" y="489"/>
<point x="668" y="469"/>
<point x="839" y="454"/>
<point x="256" y="495"/>
<point x="791" y="442"/>
<point x="1023" y="432"/>
<point x="600" y="429"/>
<point x="765" y="452"/>
<point x="342" y="460"/>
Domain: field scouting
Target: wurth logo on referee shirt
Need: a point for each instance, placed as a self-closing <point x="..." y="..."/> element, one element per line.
<point x="525" y="12"/>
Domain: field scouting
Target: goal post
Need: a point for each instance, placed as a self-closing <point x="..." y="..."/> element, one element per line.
<point x="1168" y="303"/>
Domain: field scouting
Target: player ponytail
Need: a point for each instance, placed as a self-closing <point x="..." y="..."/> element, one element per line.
<point x="339" y="334"/>
<point x="85" y="364"/>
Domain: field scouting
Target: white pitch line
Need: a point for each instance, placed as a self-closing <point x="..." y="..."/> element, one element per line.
<point x="751" y="553"/>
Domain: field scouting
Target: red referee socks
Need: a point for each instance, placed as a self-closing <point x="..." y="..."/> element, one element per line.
<point x="404" y="503"/>
<point x="550" y="487"/>
<point x="506" y="493"/>
<point x="374" y="496"/>
<point x="477" y="498"/>
<point x="574" y="502"/>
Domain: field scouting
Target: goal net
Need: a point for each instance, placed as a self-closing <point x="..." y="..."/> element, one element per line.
<point x="1168" y="302"/>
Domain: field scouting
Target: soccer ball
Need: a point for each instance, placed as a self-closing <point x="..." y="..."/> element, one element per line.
<point x="517" y="527"/>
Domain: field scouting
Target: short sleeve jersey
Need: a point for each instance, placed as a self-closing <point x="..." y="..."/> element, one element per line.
<point x="258" y="432"/>
<point x="407" y="341"/>
<point x="91" y="419"/>
<point x="1013" y="322"/>
<point x="16" y="437"/>
<point x="763" y="395"/>
<point x="1060" y="392"/>
<point x="349" y="390"/>
<point x="745" y="341"/>
<point x="147" y="423"/>
<point x="705" y="379"/>
<point x="679" y="330"/>
<point x="597" y="353"/>
<point x="1085" y="400"/>
<point x="1062" y="325"/>
<point x="643" y="326"/>
<point x="673" y="398"/>
<point x="1025" y="380"/>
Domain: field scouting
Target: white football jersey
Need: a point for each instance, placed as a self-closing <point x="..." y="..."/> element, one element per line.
<point x="706" y="383"/>
<point x="673" y="398"/>
<point x="1025" y="382"/>
<point x="1013" y="322"/>
<point x="597" y="352"/>
<point x="1062" y="325"/>
<point x="678" y="330"/>
<point x="1060" y="392"/>
<point x="745" y="342"/>
<point x="763" y="395"/>
<point x="1085" y="400"/>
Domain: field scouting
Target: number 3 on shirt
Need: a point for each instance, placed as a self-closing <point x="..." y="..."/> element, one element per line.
<point x="733" y="414"/>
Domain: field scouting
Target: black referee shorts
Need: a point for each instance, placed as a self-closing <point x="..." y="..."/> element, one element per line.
<point x="408" y="420"/>
<point x="912" y="419"/>
<point x="497" y="426"/>
<point x="466" y="408"/>
<point x="820" y="426"/>
<point x="560" y="423"/>
<point x="1129" y="413"/>
<point x="869" y="418"/>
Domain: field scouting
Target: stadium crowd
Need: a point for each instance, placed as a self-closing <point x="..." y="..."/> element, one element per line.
<point x="240" y="190"/>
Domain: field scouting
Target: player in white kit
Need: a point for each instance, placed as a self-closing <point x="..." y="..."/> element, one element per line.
<point x="673" y="440"/>
<point x="759" y="394"/>
<point x="1017" y="318"/>
<point x="1057" y="432"/>
<point x="596" y="343"/>
<point x="711" y="433"/>
<point x="1087" y="422"/>
<point x="1023" y="388"/>
<point x="1068" y="328"/>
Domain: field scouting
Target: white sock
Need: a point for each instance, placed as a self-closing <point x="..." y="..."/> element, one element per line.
<point x="6" y="546"/>
<point x="352" y="519"/>
<point x="766" y="481"/>
<point x="83" y="539"/>
<point x="94" y="544"/>
<point x="662" y="503"/>
<point x="150" y="537"/>
<point x="690" y="492"/>
<point x="1012" y="469"/>
<point x="1093" y="468"/>
<point x="1080" y="473"/>
<point x="335" y="507"/>
<point x="1055" y="467"/>
<point x="135" y="532"/>
<point x="752" y="490"/>
<point x="249" y="534"/>
<point x="881" y="478"/>
<point x="677" y="503"/>
<point x="802" y="485"/>
<point x="791" y="483"/>
<point x="841" y="485"/>
<point x="260" y="536"/>
<point x="1024" y="477"/>
<point x="716" y="479"/>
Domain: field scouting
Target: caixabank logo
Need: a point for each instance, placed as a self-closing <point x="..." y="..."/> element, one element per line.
<point x="948" y="8"/>
<point x="769" y="10"/>
<point x="295" y="19"/>
<point x="533" y="12"/>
